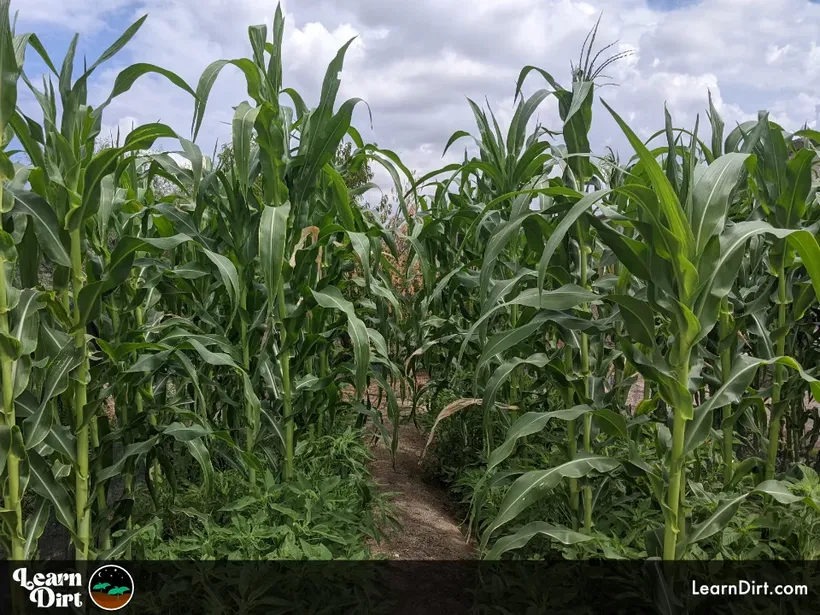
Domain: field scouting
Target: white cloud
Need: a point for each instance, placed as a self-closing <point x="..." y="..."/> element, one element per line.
<point x="415" y="62"/>
<point x="83" y="16"/>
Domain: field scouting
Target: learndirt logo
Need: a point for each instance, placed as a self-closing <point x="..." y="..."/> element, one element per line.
<point x="111" y="587"/>
<point x="49" y="590"/>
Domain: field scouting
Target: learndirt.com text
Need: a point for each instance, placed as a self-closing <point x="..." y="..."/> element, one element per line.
<point x="748" y="588"/>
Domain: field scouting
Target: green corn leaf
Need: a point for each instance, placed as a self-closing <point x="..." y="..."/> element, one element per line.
<point x="713" y="524"/>
<point x="792" y="201"/>
<point x="132" y="450"/>
<point x="184" y="433"/>
<point x="45" y="224"/>
<point x="632" y="253"/>
<point x="667" y="198"/>
<point x="562" y="534"/>
<point x="104" y="162"/>
<point x="207" y="80"/>
<point x="734" y="386"/>
<point x="243" y="121"/>
<point x="124" y="540"/>
<point x="393" y="414"/>
<point x="504" y="371"/>
<point x="200" y="452"/>
<point x="712" y="193"/>
<point x="579" y="209"/>
<point x="11" y="443"/>
<point x="25" y="320"/>
<point x="533" y="485"/>
<point x="35" y="526"/>
<point x="46" y="486"/>
<point x="727" y="509"/>
<point x="331" y="298"/>
<point x="183" y="223"/>
<point x="29" y="38"/>
<point x="273" y="228"/>
<point x="321" y="150"/>
<point x="361" y="245"/>
<point x="128" y="76"/>
<point x="227" y="271"/>
<point x="723" y="271"/>
<point x="253" y="407"/>
<point x="212" y="358"/>
<point x="505" y="340"/>
<point x="9" y="69"/>
<point x="638" y="318"/>
<point x="518" y="125"/>
<point x="563" y="298"/>
<point x="528" y="424"/>
<point x="342" y="200"/>
<point x="118" y="45"/>
<point x="778" y="491"/>
<point x="496" y="245"/>
<point x="38" y="425"/>
<point x="62" y="440"/>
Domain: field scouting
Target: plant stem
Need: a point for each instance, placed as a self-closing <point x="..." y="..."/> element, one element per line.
<point x="105" y="535"/>
<point x="80" y="399"/>
<point x="13" y="500"/>
<point x="323" y="369"/>
<point x="246" y="365"/>
<point x="585" y="373"/>
<point x="726" y="367"/>
<point x="777" y="413"/>
<point x="156" y="474"/>
<point x="671" y="530"/>
<point x="514" y="375"/>
<point x="588" y="486"/>
<point x="129" y="479"/>
<point x="587" y="432"/>
<point x="114" y="313"/>
<point x="682" y="504"/>
<point x="572" y="443"/>
<point x="287" y="410"/>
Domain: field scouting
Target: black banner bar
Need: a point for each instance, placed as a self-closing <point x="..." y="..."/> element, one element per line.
<point x="399" y="587"/>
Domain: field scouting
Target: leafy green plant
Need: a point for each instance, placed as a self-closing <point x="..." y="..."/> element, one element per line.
<point x="324" y="513"/>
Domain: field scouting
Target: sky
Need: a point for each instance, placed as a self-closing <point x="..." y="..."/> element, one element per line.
<point x="416" y="62"/>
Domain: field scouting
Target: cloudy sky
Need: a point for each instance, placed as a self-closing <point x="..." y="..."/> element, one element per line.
<point x="416" y="61"/>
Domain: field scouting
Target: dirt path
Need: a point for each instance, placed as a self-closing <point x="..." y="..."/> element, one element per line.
<point x="429" y="532"/>
<point x="430" y="526"/>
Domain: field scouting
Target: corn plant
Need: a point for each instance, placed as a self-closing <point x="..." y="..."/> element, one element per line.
<point x="56" y="207"/>
<point x="291" y="240"/>
<point x="687" y="262"/>
<point x="668" y="240"/>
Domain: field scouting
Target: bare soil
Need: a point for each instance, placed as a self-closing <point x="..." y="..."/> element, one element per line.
<point x="111" y="603"/>
<point x="429" y="529"/>
<point x="430" y="525"/>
